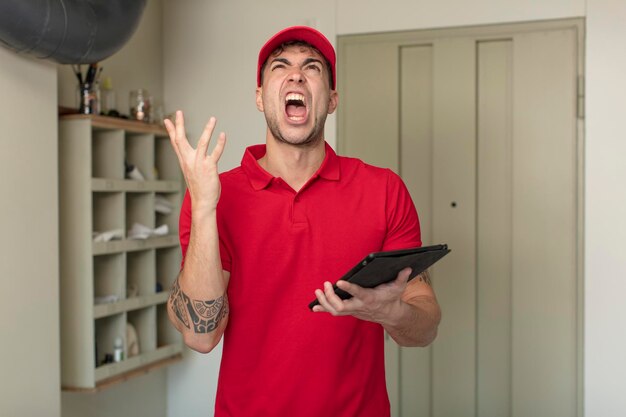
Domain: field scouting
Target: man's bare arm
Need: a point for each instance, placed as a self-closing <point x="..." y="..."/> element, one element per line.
<point x="409" y="312"/>
<point x="197" y="305"/>
<point x="419" y="315"/>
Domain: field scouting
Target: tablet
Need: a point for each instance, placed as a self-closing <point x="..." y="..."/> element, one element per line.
<point x="381" y="267"/>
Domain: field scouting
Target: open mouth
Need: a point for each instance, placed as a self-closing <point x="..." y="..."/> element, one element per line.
<point x="295" y="107"/>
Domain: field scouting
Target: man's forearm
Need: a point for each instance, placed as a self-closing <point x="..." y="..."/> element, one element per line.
<point x="198" y="306"/>
<point x="201" y="322"/>
<point x="416" y="322"/>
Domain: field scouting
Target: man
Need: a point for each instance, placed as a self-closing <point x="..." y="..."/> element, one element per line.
<point x="271" y="235"/>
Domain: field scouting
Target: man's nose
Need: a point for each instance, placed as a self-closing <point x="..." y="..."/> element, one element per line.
<point x="296" y="76"/>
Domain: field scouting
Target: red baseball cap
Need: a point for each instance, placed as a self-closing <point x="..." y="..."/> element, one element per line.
<point x="299" y="33"/>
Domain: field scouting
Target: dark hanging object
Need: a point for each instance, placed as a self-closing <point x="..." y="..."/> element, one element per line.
<point x="69" y="31"/>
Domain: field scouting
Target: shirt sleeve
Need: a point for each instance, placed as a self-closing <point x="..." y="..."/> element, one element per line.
<point x="403" y="227"/>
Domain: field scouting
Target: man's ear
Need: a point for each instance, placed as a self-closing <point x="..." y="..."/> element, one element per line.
<point x="259" y="98"/>
<point x="333" y="101"/>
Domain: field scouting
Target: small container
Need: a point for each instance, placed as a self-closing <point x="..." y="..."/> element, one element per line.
<point x="140" y="105"/>
<point x="89" y="98"/>
<point x="118" y="350"/>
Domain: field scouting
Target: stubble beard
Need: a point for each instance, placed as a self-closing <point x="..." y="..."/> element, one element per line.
<point x="315" y="136"/>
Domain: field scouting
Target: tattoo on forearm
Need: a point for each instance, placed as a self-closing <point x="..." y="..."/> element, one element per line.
<point x="177" y="304"/>
<point x="424" y="277"/>
<point x="205" y="315"/>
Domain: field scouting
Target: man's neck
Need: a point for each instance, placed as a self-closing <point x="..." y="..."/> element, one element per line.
<point x="294" y="164"/>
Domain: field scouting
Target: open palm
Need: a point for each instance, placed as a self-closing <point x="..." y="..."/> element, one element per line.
<point x="198" y="166"/>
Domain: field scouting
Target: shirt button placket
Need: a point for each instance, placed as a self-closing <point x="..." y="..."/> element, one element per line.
<point x="297" y="210"/>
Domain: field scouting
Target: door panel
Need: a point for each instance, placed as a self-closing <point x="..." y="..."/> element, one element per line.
<point x="544" y="225"/>
<point x="453" y="217"/>
<point x="493" y="222"/>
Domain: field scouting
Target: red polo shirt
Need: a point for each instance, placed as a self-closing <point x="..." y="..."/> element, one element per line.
<point x="280" y="359"/>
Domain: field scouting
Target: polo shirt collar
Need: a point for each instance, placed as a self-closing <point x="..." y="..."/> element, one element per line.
<point x="260" y="178"/>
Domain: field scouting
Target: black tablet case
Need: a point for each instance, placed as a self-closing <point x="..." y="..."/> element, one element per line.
<point x="381" y="267"/>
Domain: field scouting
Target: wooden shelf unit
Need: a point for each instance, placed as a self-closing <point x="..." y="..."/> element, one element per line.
<point x="95" y="196"/>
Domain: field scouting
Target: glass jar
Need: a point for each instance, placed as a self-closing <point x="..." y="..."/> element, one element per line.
<point x="140" y="107"/>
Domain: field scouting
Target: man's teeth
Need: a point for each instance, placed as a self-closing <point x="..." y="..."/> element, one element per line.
<point x="295" y="107"/>
<point x="294" y="97"/>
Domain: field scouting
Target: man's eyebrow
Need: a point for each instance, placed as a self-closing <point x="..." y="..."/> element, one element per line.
<point x="309" y="60"/>
<point x="306" y="61"/>
<point x="283" y="60"/>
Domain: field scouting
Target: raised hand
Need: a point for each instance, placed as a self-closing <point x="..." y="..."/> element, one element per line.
<point x="198" y="166"/>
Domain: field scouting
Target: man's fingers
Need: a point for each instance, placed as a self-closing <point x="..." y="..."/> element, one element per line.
<point x="205" y="138"/>
<point x="171" y="131"/>
<point x="321" y="298"/>
<point x="352" y="289"/>
<point x="219" y="147"/>
<point x="403" y="276"/>
<point x="365" y="303"/>
<point x="318" y="308"/>
<point x="179" y="143"/>
<point x="329" y="301"/>
<point x="169" y="127"/>
<point x="180" y="125"/>
<point x="333" y="299"/>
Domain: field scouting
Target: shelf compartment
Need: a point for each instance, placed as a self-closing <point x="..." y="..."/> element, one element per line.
<point x="141" y="273"/>
<point x="128" y="245"/>
<point x="135" y="303"/>
<point x="140" y="153"/>
<point x="170" y="219"/>
<point x="107" y="153"/>
<point x="108" y="211"/>
<point x="112" y="370"/>
<point x="107" y="330"/>
<point x="112" y="185"/>
<point x="140" y="209"/>
<point x="144" y="322"/>
<point x="109" y="273"/>
<point x="168" y="262"/>
<point x="166" y="162"/>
